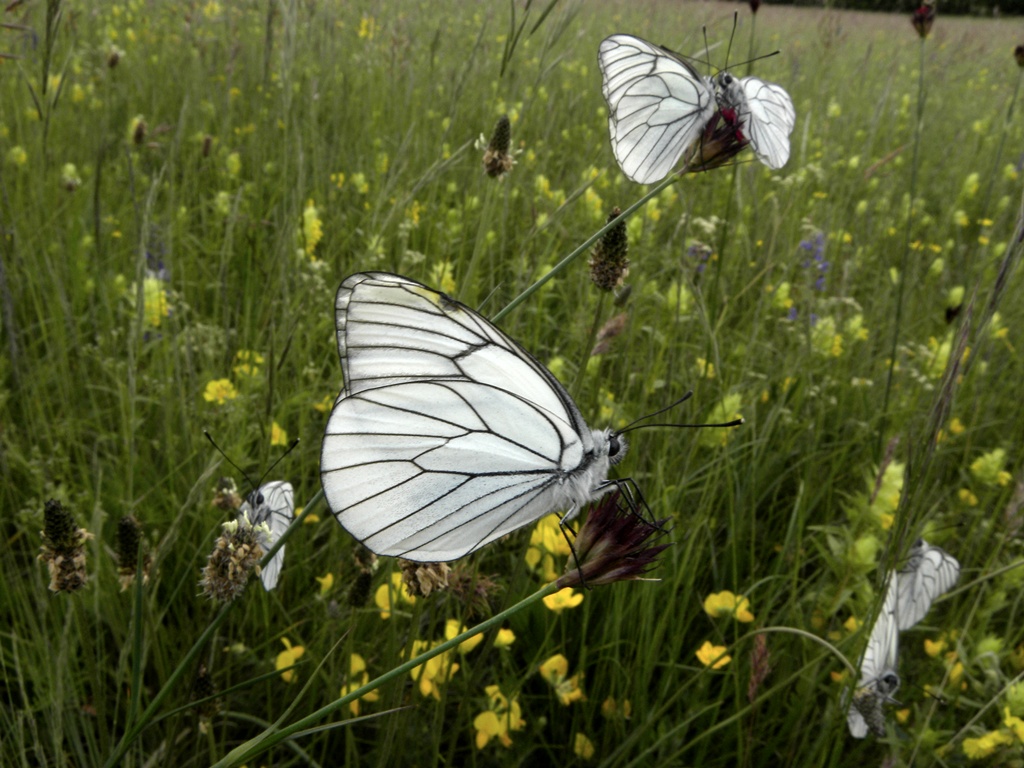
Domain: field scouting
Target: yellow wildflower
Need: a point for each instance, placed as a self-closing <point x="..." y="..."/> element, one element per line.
<point x="433" y="673"/>
<point x="452" y="628"/>
<point x="934" y="647"/>
<point x="555" y="670"/>
<point x="367" y="28"/>
<point x="442" y="276"/>
<point x="387" y="594"/>
<point x="287" y="658"/>
<point x="611" y="708"/>
<point x="326" y="582"/>
<point x="357" y="678"/>
<point x="563" y="599"/>
<point x="502" y="716"/>
<point x="1014" y="723"/>
<point x="220" y="391"/>
<point x="157" y="306"/>
<point x="312" y="228"/>
<point x="988" y="468"/>
<point x="727" y="604"/>
<point x="504" y="638"/>
<point x="583" y="747"/>
<point x="983" y="746"/>
<point x="247" y="362"/>
<point x="277" y="435"/>
<point x="713" y="656"/>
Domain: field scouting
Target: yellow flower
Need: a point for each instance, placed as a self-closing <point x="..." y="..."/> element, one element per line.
<point x="983" y="746"/>
<point x="358" y="677"/>
<point x="610" y="709"/>
<point x="546" y="542"/>
<point x="902" y="716"/>
<point x="1014" y="723"/>
<point x="234" y="164"/>
<point x="555" y="671"/>
<point x="387" y="594"/>
<point x="496" y="722"/>
<point x="727" y="604"/>
<point x="156" y="305"/>
<point x="713" y="655"/>
<point x="987" y="467"/>
<point x="851" y="624"/>
<point x="287" y="658"/>
<point x="220" y="391"/>
<point x="434" y="672"/>
<point x="453" y="627"/>
<point x="312" y="228"/>
<point x="247" y="362"/>
<point x="277" y="435"/>
<point x="324" y="405"/>
<point x="442" y="276"/>
<point x="367" y="28"/>
<point x="504" y="638"/>
<point x="326" y="582"/>
<point x="934" y="647"/>
<point x="968" y="498"/>
<point x="956" y="426"/>
<point x="563" y="599"/>
<point x="583" y="747"/>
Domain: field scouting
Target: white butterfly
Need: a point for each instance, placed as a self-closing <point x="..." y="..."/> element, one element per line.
<point x="447" y="434"/>
<point x="878" y="677"/>
<point x="274" y="504"/>
<point x="658" y="105"/>
<point x="930" y="572"/>
<point x="764" y="113"/>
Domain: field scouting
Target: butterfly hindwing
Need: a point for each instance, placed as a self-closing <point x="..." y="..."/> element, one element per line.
<point x="878" y="676"/>
<point x="657" y="105"/>
<point x="929" y="573"/>
<point x="272" y="503"/>
<point x="447" y="434"/>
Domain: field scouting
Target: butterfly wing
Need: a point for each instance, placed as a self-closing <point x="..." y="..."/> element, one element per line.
<point x="767" y="119"/>
<point x="657" y="105"/>
<point x="929" y="573"/>
<point x="447" y="435"/>
<point x="878" y="678"/>
<point x="275" y="506"/>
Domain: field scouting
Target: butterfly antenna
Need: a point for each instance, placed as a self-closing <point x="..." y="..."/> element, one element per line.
<point x="227" y="458"/>
<point x="732" y="35"/>
<point x="707" y="50"/>
<point x="289" y="449"/>
<point x="756" y="58"/>
<point x="669" y="407"/>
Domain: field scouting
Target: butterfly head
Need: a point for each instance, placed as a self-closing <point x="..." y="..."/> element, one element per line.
<point x="888" y="683"/>
<point x="610" y="444"/>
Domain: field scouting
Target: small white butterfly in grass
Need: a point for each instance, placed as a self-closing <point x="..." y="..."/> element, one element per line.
<point x="763" y="113"/>
<point x="273" y="504"/>
<point x="878" y="677"/>
<point x="929" y="573"/>
<point x="658" y="105"/>
<point x="447" y="434"/>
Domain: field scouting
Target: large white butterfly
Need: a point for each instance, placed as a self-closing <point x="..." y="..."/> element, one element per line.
<point x="658" y="105"/>
<point x="274" y="504"/>
<point x="878" y="677"/>
<point x="447" y="434"/>
<point x="764" y="113"/>
<point x="930" y="572"/>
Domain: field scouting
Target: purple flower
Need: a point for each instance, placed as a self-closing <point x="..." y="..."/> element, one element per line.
<point x="615" y="544"/>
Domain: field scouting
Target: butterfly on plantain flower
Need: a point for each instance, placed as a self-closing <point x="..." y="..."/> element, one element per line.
<point x="272" y="504"/>
<point x="659" y="106"/>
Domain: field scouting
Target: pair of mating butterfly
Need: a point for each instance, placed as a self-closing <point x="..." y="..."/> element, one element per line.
<point x="659" y="106"/>
<point x="909" y="594"/>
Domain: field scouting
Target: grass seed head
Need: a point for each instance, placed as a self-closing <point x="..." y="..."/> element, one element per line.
<point x="608" y="263"/>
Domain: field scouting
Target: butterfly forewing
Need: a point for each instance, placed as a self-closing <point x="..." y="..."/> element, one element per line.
<point x="878" y="677"/>
<point x="447" y="434"/>
<point x="768" y="120"/>
<point x="657" y="105"/>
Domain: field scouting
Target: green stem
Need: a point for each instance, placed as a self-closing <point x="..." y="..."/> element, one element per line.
<point x="560" y="266"/>
<point x="906" y="254"/>
<point x="589" y="346"/>
<point x="273" y="736"/>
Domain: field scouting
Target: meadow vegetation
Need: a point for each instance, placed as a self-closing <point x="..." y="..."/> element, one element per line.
<point x="184" y="185"/>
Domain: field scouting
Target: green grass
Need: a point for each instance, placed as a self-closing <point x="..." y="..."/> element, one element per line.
<point x="101" y="395"/>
